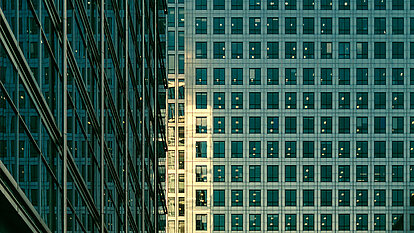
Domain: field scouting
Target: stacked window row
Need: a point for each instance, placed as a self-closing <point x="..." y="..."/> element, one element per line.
<point x="344" y="173"/>
<point x="360" y="125"/>
<point x="306" y="5"/>
<point x="308" y="26"/>
<point x="305" y="76"/>
<point x="377" y="50"/>
<point x="308" y="149"/>
<point x="309" y="222"/>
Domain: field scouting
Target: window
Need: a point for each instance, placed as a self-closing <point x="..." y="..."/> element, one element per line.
<point x="398" y="125"/>
<point x="272" y="173"/>
<point x="236" y="222"/>
<point x="380" y="50"/>
<point x="308" y="76"/>
<point x="236" y="25"/>
<point x="272" y="76"/>
<point x="236" y="125"/>
<point x="326" y="76"/>
<point x="219" y="125"/>
<point x="201" y="173"/>
<point x="397" y="26"/>
<point x="236" y="4"/>
<point x="290" y="222"/>
<point x="201" y="100"/>
<point x="362" y="173"/>
<point x="343" y="222"/>
<point x="201" y="5"/>
<point x="308" y="4"/>
<point x="362" y="50"/>
<point x="343" y="173"/>
<point x="290" y="50"/>
<point x="326" y="222"/>
<point x="397" y="173"/>
<point x="290" y="4"/>
<point x="308" y="100"/>
<point x="308" y="50"/>
<point x="218" y="149"/>
<point x="397" y="4"/>
<point x="344" y="4"/>
<point x="219" y="50"/>
<point x="379" y="76"/>
<point x="254" y="149"/>
<point x="272" y="25"/>
<point x="272" y="222"/>
<point x="343" y="149"/>
<point x="201" y="219"/>
<point x="362" y="76"/>
<point x="362" y="222"/>
<point x="362" y="125"/>
<point x="254" y="197"/>
<point x="326" y="173"/>
<point x="201" y="149"/>
<point x="290" y="197"/>
<point x="201" y="76"/>
<point x="272" y="125"/>
<point x="236" y="197"/>
<point x="254" y="173"/>
<point x="201" y="197"/>
<point x="272" y="50"/>
<point x="273" y="100"/>
<point x="343" y="125"/>
<point x="380" y="172"/>
<point x="272" y="198"/>
<point x="254" y="100"/>
<point x="344" y="50"/>
<point x="218" y="5"/>
<point x="326" y="50"/>
<point x="379" y="197"/>
<point x="273" y="4"/>
<point x="254" y="4"/>
<point x="398" y="76"/>
<point x="218" y="221"/>
<point x="308" y="125"/>
<point x="290" y="149"/>
<point x="237" y="149"/>
<point x="255" y="25"/>
<point x="237" y="76"/>
<point x="344" y="76"/>
<point x="290" y="173"/>
<point x="308" y="25"/>
<point x="290" y="76"/>
<point x="218" y="173"/>
<point x="219" y="198"/>
<point x="237" y="100"/>
<point x="273" y="149"/>
<point x="255" y="76"/>
<point x="219" y="100"/>
<point x="326" y="125"/>
<point x="326" y="4"/>
<point x="397" y="197"/>
<point x="380" y="125"/>
<point x="237" y="50"/>
<point x="326" y="100"/>
<point x="290" y="25"/>
<point x="379" y="100"/>
<point x="201" y="50"/>
<point x="308" y="173"/>
<point x="326" y="197"/>
<point x="344" y="26"/>
<point x="237" y="173"/>
<point x="254" y="125"/>
<point x="290" y="125"/>
<point x="380" y="4"/>
<point x="343" y="197"/>
<point x="397" y="50"/>
<point x="326" y="26"/>
<point x="171" y="16"/>
<point x="308" y="149"/>
<point x="380" y="26"/>
<point x="362" y="25"/>
<point x="171" y="40"/>
<point x="361" y="197"/>
<point x="254" y="222"/>
<point x="398" y="100"/>
<point x="308" y="197"/>
<point x="362" y="4"/>
<point x="218" y="76"/>
<point x="290" y="100"/>
<point x="344" y="100"/>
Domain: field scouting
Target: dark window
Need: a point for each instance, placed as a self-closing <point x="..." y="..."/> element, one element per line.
<point x="272" y="25"/>
<point x="290" y="197"/>
<point x="326" y="173"/>
<point x="218" y="149"/>
<point x="326" y="197"/>
<point x="308" y="76"/>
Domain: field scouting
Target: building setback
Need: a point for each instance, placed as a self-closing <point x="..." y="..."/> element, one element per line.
<point x="299" y="115"/>
<point x="81" y="121"/>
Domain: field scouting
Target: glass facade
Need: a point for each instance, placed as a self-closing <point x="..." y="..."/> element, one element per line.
<point x="82" y="114"/>
<point x="300" y="111"/>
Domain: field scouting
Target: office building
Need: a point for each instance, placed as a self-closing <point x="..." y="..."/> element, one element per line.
<point x="81" y="121"/>
<point x="299" y="115"/>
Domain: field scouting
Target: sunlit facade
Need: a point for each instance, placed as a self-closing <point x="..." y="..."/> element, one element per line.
<point x="67" y="90"/>
<point x="298" y="116"/>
